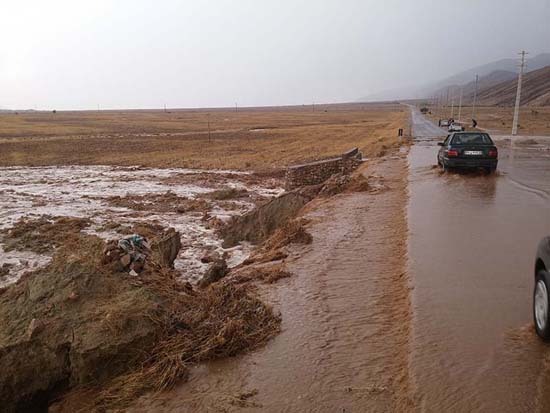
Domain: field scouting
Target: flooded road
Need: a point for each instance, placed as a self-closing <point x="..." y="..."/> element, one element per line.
<point x="471" y="246"/>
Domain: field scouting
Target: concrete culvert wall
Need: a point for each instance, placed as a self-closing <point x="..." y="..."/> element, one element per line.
<point x="315" y="173"/>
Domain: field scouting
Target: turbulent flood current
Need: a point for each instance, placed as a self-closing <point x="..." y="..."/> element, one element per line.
<point x="147" y="194"/>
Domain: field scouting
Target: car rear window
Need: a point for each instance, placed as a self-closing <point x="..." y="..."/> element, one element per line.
<point x="472" y="139"/>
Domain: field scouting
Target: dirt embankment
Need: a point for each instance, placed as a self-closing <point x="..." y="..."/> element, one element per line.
<point x="80" y="323"/>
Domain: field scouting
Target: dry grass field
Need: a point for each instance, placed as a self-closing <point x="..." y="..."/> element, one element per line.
<point x="252" y="138"/>
<point x="532" y="120"/>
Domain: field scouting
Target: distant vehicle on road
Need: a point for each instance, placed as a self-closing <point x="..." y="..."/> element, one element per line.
<point x="541" y="305"/>
<point x="443" y="122"/>
<point x="468" y="150"/>
<point x="455" y="127"/>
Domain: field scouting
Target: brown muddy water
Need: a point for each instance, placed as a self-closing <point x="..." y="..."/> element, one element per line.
<point x="345" y="311"/>
<point x="90" y="191"/>
<point x="471" y="246"/>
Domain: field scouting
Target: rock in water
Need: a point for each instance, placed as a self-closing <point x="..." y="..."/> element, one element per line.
<point x="216" y="271"/>
<point x="167" y="248"/>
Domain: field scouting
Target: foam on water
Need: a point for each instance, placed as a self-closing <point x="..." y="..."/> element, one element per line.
<point x="83" y="191"/>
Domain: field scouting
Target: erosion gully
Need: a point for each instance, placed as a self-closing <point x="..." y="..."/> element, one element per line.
<point x="375" y="320"/>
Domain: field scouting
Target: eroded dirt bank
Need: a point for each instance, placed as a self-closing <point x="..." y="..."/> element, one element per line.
<point x="345" y="317"/>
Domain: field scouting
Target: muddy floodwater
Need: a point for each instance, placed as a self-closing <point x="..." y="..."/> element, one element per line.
<point x="471" y="245"/>
<point x="123" y="196"/>
<point x="345" y="312"/>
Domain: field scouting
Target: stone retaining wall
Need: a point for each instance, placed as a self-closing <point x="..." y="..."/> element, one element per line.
<point x="317" y="172"/>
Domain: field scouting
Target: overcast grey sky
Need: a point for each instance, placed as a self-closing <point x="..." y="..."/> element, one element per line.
<point x="76" y="54"/>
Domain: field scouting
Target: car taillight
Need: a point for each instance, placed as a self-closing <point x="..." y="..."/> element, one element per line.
<point x="452" y="153"/>
<point x="493" y="153"/>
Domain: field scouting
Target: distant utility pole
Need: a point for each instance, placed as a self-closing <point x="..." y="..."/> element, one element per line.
<point x="452" y="105"/>
<point x="165" y="108"/>
<point x="475" y="99"/>
<point x="518" y="94"/>
<point x="313" y="107"/>
<point x="209" y="136"/>
<point x="460" y="104"/>
<point x="235" y="106"/>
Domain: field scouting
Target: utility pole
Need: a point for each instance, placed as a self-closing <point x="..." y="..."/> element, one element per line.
<point x="235" y="106"/>
<point x="165" y="108"/>
<point x="518" y="95"/>
<point x="475" y="98"/>
<point x="460" y="104"/>
<point x="209" y="136"/>
<point x="452" y="106"/>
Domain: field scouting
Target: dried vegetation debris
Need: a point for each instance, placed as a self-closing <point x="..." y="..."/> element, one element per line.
<point x="81" y="323"/>
<point x="41" y="235"/>
<point x="291" y="232"/>
<point x="219" y="321"/>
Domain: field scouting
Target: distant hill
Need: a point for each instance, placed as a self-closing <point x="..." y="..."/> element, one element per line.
<point x="535" y="90"/>
<point x="484" y="82"/>
<point x="486" y="71"/>
<point x="503" y="65"/>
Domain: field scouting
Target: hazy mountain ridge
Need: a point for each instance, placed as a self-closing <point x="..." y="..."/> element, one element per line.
<point x="464" y="78"/>
<point x="535" y="90"/>
<point x="494" y="78"/>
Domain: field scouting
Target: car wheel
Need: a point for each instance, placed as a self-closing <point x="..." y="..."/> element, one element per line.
<point x="444" y="166"/>
<point x="489" y="170"/>
<point x="541" y="305"/>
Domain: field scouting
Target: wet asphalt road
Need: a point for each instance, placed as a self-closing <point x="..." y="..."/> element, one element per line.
<point x="471" y="256"/>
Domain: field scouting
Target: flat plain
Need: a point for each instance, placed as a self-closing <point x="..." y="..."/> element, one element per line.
<point x="247" y="139"/>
